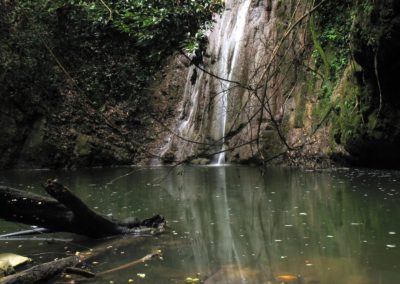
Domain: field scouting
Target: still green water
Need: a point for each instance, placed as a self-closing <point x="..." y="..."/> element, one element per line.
<point x="235" y="224"/>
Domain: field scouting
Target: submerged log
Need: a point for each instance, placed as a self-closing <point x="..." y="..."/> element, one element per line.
<point x="65" y="212"/>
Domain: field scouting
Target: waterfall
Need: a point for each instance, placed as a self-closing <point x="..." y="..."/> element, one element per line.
<point x="228" y="44"/>
<point x="213" y="106"/>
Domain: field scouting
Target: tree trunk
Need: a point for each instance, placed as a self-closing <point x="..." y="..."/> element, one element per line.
<point x="65" y="212"/>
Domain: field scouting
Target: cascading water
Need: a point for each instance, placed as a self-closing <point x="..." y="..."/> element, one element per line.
<point x="228" y="44"/>
<point x="212" y="105"/>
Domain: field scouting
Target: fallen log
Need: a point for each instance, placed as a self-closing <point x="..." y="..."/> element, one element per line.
<point x="41" y="272"/>
<point x="65" y="212"/>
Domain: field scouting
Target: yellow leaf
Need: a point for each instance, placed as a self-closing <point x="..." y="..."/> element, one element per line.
<point x="14" y="259"/>
<point x="5" y="268"/>
<point x="192" y="280"/>
<point x="287" y="278"/>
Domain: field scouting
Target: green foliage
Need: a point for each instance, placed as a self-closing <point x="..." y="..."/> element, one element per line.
<point x="330" y="29"/>
<point x="368" y="7"/>
<point x="331" y="36"/>
<point x="159" y="26"/>
<point x="110" y="50"/>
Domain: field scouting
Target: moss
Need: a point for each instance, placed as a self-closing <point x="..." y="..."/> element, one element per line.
<point x="320" y="110"/>
<point x="348" y="121"/>
<point x="300" y="110"/>
<point x="37" y="135"/>
<point x="83" y="145"/>
<point x="35" y="141"/>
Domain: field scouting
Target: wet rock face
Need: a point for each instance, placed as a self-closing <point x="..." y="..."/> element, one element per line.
<point x="12" y="135"/>
<point x="376" y="47"/>
<point x="218" y="114"/>
<point x="376" y="44"/>
<point x="214" y="111"/>
<point x="68" y="134"/>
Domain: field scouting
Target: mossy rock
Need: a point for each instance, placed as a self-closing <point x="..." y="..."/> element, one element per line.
<point x="83" y="146"/>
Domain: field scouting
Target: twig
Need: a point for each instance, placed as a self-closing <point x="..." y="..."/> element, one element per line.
<point x="133" y="263"/>
<point x="110" y="17"/>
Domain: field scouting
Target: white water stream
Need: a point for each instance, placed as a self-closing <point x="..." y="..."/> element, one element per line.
<point x="228" y="43"/>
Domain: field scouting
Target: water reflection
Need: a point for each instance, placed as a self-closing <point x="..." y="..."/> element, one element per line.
<point x="236" y="225"/>
<point x="249" y="228"/>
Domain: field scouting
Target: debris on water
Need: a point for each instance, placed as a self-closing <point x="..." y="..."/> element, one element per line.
<point x="392" y="233"/>
<point x="192" y="280"/>
<point x="356" y="224"/>
<point x="303" y="214"/>
<point x="14" y="259"/>
<point x="329" y="236"/>
<point x="141" y="275"/>
<point x="287" y="278"/>
<point x="390" y="246"/>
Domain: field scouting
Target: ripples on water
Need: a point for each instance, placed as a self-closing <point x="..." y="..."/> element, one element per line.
<point x="236" y="225"/>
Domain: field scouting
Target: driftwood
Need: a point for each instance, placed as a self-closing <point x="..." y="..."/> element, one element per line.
<point x="65" y="212"/>
<point x="41" y="272"/>
<point x="34" y="231"/>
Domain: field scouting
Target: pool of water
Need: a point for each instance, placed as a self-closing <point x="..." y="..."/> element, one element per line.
<point x="233" y="224"/>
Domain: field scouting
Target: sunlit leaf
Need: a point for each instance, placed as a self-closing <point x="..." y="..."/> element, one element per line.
<point x="5" y="268"/>
<point x="14" y="259"/>
<point x="287" y="278"/>
<point x="192" y="280"/>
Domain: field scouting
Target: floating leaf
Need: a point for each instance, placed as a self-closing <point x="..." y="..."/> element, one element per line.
<point x="5" y="268"/>
<point x="287" y="278"/>
<point x="14" y="259"/>
<point x="192" y="280"/>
